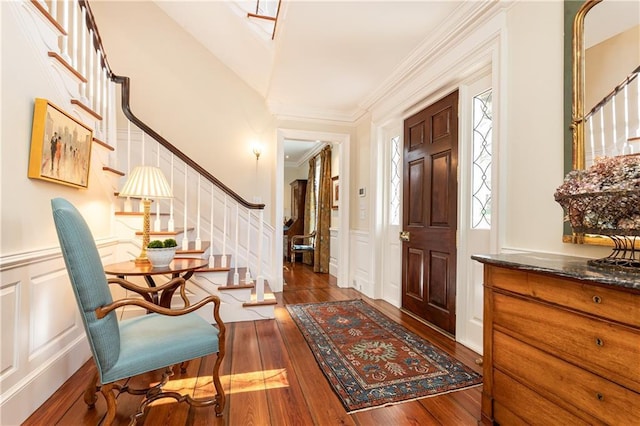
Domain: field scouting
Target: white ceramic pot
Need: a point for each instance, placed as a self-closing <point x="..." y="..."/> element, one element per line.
<point x="161" y="257"/>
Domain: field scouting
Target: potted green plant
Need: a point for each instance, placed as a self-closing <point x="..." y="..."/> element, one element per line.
<point x="161" y="253"/>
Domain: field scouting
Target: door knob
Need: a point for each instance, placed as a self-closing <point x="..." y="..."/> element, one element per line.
<point x="405" y="236"/>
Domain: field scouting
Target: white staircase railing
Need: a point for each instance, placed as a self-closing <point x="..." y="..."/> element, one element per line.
<point x="207" y="209"/>
<point x="612" y="127"/>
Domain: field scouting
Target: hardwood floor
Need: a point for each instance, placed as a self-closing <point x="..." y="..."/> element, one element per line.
<point x="271" y="377"/>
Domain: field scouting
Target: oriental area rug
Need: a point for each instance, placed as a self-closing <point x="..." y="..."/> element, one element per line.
<point x="372" y="361"/>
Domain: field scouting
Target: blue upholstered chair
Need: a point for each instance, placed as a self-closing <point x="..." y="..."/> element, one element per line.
<point x="126" y="348"/>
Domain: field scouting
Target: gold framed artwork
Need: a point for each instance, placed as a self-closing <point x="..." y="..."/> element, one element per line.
<point x="60" y="146"/>
<point x="335" y="193"/>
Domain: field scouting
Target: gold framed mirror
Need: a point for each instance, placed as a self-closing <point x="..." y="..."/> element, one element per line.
<point x="602" y="61"/>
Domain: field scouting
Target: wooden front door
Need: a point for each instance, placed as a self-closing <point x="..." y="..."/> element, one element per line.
<point x="430" y="213"/>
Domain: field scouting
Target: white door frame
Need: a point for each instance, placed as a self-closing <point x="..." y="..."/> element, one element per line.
<point x="344" y="148"/>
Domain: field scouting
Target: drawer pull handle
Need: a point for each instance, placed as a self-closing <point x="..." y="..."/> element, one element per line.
<point x="600" y="396"/>
<point x="597" y="299"/>
<point x="599" y="341"/>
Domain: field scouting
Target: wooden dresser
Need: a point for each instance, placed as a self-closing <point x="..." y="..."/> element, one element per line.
<point x="561" y="342"/>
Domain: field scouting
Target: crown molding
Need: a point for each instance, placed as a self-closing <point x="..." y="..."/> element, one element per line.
<point x="464" y="20"/>
<point x="321" y="115"/>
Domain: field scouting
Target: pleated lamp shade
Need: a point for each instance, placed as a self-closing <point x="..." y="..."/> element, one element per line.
<point x="146" y="182"/>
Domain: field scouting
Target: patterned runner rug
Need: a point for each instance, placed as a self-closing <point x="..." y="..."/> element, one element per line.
<point x="372" y="361"/>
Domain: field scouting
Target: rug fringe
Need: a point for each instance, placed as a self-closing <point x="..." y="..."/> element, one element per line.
<point x="390" y="404"/>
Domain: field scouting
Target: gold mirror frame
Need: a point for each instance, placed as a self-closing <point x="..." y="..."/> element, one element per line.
<point x="578" y="88"/>
<point x="574" y="20"/>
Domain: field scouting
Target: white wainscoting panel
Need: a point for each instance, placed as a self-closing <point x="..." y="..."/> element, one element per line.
<point x="334" y="251"/>
<point x="43" y="340"/>
<point x="9" y="296"/>
<point x="361" y="255"/>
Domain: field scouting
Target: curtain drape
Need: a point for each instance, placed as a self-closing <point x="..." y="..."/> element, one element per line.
<point x="310" y="208"/>
<point x="323" y="214"/>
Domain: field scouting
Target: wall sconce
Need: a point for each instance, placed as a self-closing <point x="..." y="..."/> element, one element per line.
<point x="257" y="151"/>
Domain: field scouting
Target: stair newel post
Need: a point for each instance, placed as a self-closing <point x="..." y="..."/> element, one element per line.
<point x="127" y="202"/>
<point x="260" y="280"/>
<point x="171" y="226"/>
<point x="212" y="260"/>
<point x="236" y="275"/>
<point x="185" y="239"/>
<point x="223" y="260"/>
<point x="140" y="205"/>
<point x="247" y="275"/>
<point x="198" y="239"/>
<point x="156" y="223"/>
<point x="64" y="45"/>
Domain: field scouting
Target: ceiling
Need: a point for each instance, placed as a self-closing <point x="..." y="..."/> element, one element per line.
<point x="328" y="58"/>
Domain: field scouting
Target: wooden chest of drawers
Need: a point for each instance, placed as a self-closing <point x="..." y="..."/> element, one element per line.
<point x="559" y="350"/>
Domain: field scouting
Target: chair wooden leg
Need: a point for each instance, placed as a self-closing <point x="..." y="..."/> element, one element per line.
<point x="90" y="394"/>
<point x="220" y="396"/>
<point x="107" y="391"/>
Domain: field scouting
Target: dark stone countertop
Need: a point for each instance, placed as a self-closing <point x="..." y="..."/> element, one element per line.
<point x="561" y="265"/>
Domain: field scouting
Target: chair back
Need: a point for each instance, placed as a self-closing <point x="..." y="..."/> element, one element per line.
<point x="89" y="282"/>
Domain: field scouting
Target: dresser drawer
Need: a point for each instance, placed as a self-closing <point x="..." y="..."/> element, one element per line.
<point x="564" y="384"/>
<point x="606" y="348"/>
<point x="620" y="306"/>
<point x="512" y="397"/>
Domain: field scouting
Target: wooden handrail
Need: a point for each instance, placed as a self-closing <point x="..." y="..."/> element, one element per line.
<point x="614" y="92"/>
<point x="124" y="82"/>
<point x="126" y="108"/>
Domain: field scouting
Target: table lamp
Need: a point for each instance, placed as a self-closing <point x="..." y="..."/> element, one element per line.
<point x="147" y="183"/>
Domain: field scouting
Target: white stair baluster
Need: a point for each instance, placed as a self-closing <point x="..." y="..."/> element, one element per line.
<point x="127" y="202"/>
<point x="156" y="223"/>
<point x="171" y="226"/>
<point x="90" y="69"/>
<point x="185" y="239"/>
<point x="64" y="52"/>
<point x="140" y="203"/>
<point x="74" y="34"/>
<point x="198" y="239"/>
<point x="223" y="260"/>
<point x="212" y="260"/>
<point x="260" y="280"/>
<point x="83" y="56"/>
<point x="54" y="9"/>
<point x="236" y="275"/>
<point x="247" y="275"/>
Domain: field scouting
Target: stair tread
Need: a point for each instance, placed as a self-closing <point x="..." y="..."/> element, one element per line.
<point x="217" y="261"/>
<point x="139" y="214"/>
<point x="166" y="232"/>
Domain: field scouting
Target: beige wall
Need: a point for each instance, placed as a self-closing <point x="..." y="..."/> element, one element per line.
<point x="191" y="98"/>
<point x="608" y="63"/>
<point x="291" y="174"/>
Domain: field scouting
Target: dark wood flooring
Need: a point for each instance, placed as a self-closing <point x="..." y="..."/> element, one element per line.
<point x="271" y="377"/>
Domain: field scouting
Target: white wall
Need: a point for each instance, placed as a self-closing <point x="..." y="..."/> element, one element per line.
<point x="532" y="133"/>
<point x="191" y="98"/>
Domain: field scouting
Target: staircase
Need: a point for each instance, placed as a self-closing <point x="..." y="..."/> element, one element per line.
<point x="612" y="126"/>
<point x="206" y="217"/>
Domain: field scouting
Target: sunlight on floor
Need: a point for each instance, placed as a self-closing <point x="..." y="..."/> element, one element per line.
<point x="237" y="383"/>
